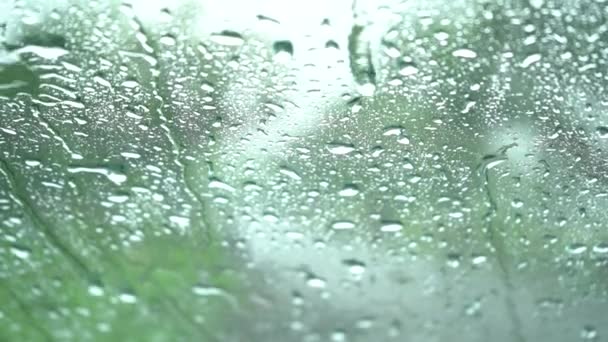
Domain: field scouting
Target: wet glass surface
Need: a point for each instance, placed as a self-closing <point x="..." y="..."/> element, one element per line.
<point x="360" y="170"/>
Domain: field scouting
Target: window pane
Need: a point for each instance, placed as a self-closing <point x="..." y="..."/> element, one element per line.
<point x="271" y="170"/>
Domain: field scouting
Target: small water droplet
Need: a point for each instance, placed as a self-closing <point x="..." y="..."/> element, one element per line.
<point x="343" y="225"/>
<point x="602" y="131"/>
<point x="391" y="226"/>
<point x="576" y="248"/>
<point x="315" y="282"/>
<point x="228" y="38"/>
<point x="392" y="131"/>
<point x="180" y="221"/>
<point x="127" y="298"/>
<point x="408" y="70"/>
<point x="366" y="89"/>
<point x="479" y="259"/>
<point x="46" y="52"/>
<point x="130" y="155"/>
<point x="207" y="87"/>
<point x="340" y="149"/>
<point x="464" y="53"/>
<point x="290" y="173"/>
<point x="20" y="252"/>
<point x="95" y="290"/>
<point x="453" y="260"/>
<point x="355" y="267"/>
<point x="113" y="176"/>
<point x="218" y="184"/>
<point x="589" y="333"/>
<point x="517" y="203"/>
<point x="601" y="248"/>
<point x="167" y="40"/>
<point x="283" y="46"/>
<point x="349" y="191"/>
<point x="530" y="60"/>
<point x="118" y="198"/>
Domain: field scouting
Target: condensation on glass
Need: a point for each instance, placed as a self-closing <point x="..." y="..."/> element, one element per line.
<point x="363" y="170"/>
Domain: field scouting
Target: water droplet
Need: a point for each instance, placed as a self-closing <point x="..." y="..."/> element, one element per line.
<point x="473" y="308"/>
<point x="343" y="225"/>
<point x="601" y="248"/>
<point x="218" y="184"/>
<point x="576" y="248"/>
<point x="207" y="87"/>
<point x="8" y="131"/>
<point x="167" y="40"/>
<point x="46" y="52"/>
<point x="391" y="226"/>
<point x="20" y="252"/>
<point x="589" y="333"/>
<point x="340" y="149"/>
<point x="113" y="176"/>
<point x="118" y="198"/>
<point x="517" y="203"/>
<point x="366" y="89"/>
<point x="453" y="260"/>
<point x="331" y="44"/>
<point x="537" y="3"/>
<point x="479" y="259"/>
<point x="95" y="290"/>
<point x="315" y="282"/>
<point x="228" y="38"/>
<point x="180" y="221"/>
<point x="404" y="140"/>
<point x="130" y="155"/>
<point x="602" y="131"/>
<point x="355" y="267"/>
<point x="127" y="298"/>
<point x="102" y="81"/>
<point x="408" y="70"/>
<point x="530" y="60"/>
<point x="290" y="173"/>
<point x="205" y="291"/>
<point x="392" y="131"/>
<point x="464" y="53"/>
<point x="283" y="46"/>
<point x="270" y="217"/>
<point x="349" y="191"/>
<point x="338" y="336"/>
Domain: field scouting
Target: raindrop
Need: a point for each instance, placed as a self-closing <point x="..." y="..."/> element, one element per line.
<point x="282" y="46"/>
<point x="127" y="298"/>
<point x="113" y="176"/>
<point x="315" y="282"/>
<point x="601" y="248"/>
<point x="228" y="38"/>
<point x="349" y="191"/>
<point x="589" y="333"/>
<point x="530" y="60"/>
<point x="343" y="225"/>
<point x="95" y="290"/>
<point x="45" y="52"/>
<point x="464" y="53"/>
<point x="391" y="226"/>
<point x="602" y="131"/>
<point x="20" y="252"/>
<point x="576" y="248"/>
<point x="290" y="173"/>
<point x="340" y="149"/>
<point x="167" y="40"/>
<point x="355" y="267"/>
<point x="408" y="70"/>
